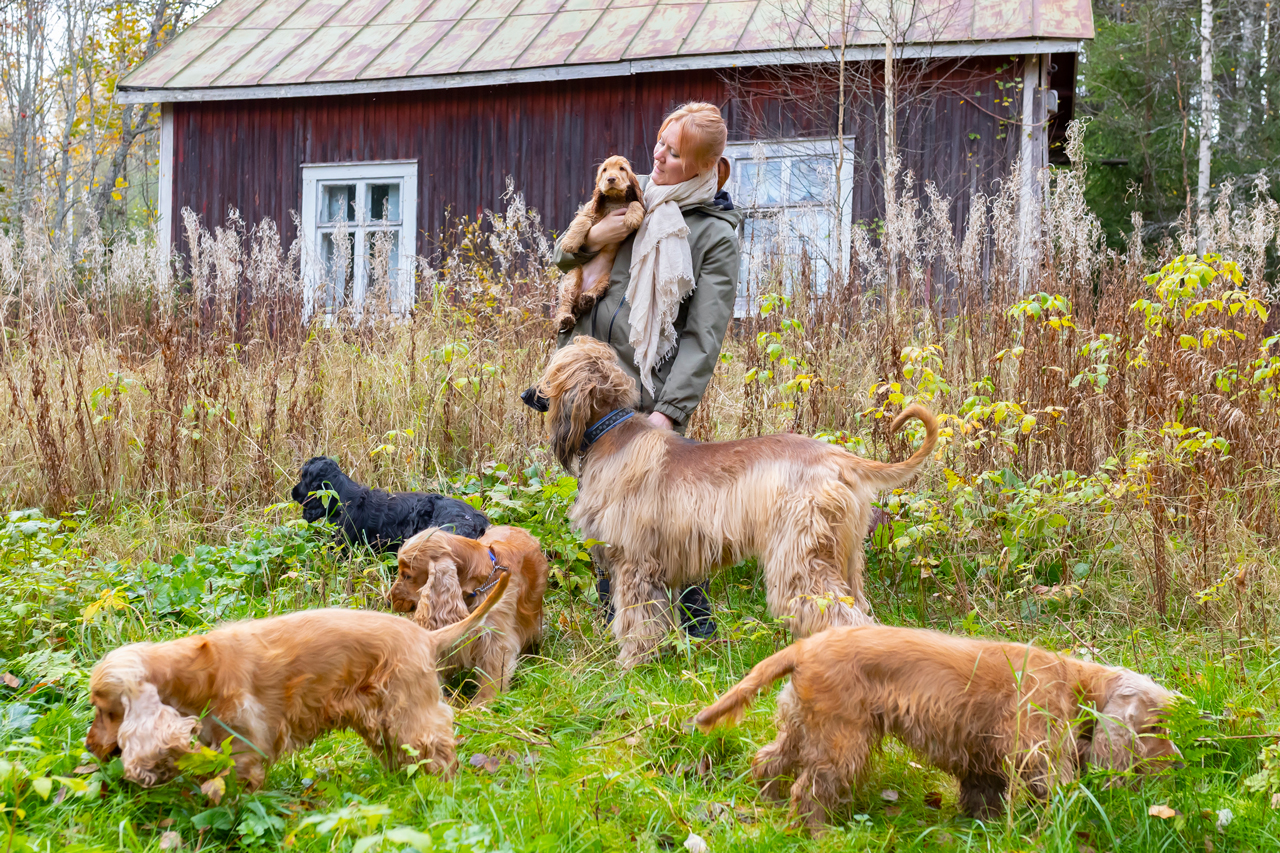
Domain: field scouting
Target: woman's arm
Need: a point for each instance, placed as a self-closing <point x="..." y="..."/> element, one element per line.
<point x="698" y="349"/>
<point x="610" y="229"/>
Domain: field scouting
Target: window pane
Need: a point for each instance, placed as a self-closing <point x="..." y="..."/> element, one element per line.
<point x="384" y="202"/>
<point x="383" y="262"/>
<point x="759" y="184"/>
<point x="336" y="251"/>
<point x="809" y="178"/>
<point x="339" y="203"/>
<point x="759" y="254"/>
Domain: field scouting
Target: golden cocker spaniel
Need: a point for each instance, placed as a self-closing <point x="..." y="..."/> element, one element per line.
<point x="275" y="685"/>
<point x="581" y="287"/>
<point x="442" y="576"/>
<point x="984" y="711"/>
<point x="672" y="510"/>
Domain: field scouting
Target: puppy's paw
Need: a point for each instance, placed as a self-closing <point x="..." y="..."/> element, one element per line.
<point x="585" y="303"/>
<point x="565" y="322"/>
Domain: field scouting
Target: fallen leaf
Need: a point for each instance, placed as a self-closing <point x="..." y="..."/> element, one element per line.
<point x="695" y="844"/>
<point x="631" y="741"/>
<point x="892" y="811"/>
<point x="1275" y="801"/>
<point x="889" y="795"/>
<point x="563" y="623"/>
<point x="933" y="799"/>
<point x="1161" y="811"/>
<point x="60" y="796"/>
<point x="1085" y="848"/>
<point x="10" y="679"/>
<point x="478" y="759"/>
<point x="492" y="763"/>
<point x="704" y="765"/>
<point x="214" y="789"/>
<point x="166" y="823"/>
<point x="85" y="768"/>
<point x="170" y="841"/>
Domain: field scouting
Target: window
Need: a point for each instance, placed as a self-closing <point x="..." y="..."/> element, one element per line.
<point x="787" y="191"/>
<point x="360" y="224"/>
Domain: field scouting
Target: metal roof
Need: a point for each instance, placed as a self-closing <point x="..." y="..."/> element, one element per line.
<point x="322" y="46"/>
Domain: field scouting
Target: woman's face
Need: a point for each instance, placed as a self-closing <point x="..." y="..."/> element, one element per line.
<point x="669" y="166"/>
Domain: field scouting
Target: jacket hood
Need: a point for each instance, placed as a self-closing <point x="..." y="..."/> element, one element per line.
<point x="733" y="217"/>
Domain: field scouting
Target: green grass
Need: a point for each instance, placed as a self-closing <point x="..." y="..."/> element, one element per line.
<point x="578" y="756"/>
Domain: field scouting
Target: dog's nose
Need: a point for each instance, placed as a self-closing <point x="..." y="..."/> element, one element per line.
<point x="611" y="180"/>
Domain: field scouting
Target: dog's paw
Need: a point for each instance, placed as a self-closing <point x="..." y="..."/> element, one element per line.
<point x="566" y="322"/>
<point x="585" y="303"/>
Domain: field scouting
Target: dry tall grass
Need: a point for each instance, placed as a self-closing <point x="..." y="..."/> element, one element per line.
<point x="1050" y="354"/>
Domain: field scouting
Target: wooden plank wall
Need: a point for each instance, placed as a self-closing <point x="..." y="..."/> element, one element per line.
<point x="549" y="136"/>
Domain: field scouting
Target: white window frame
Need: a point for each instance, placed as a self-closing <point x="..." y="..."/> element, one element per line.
<point x="789" y="150"/>
<point x="315" y="176"/>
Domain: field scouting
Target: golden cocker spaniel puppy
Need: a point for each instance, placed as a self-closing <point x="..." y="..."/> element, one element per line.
<point x="983" y="711"/>
<point x="276" y="685"/>
<point x="581" y="287"/>
<point x="672" y="510"/>
<point x="442" y="576"/>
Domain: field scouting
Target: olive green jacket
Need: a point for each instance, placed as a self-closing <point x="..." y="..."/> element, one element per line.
<point x="701" y="323"/>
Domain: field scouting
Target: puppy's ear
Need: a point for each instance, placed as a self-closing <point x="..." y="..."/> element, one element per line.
<point x="152" y="735"/>
<point x="634" y="191"/>
<point x="1123" y="708"/>
<point x="441" y="601"/>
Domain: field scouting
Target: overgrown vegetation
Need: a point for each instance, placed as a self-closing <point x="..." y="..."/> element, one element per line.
<point x="1107" y="485"/>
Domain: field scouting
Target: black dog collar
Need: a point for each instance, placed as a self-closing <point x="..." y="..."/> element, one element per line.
<point x="600" y="427"/>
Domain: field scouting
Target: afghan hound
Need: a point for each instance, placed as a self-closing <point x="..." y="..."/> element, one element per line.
<point x="982" y="711"/>
<point x="442" y="576"/>
<point x="275" y="685"/>
<point x="671" y="510"/>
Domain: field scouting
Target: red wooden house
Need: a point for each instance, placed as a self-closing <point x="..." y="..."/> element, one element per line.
<point x="388" y="116"/>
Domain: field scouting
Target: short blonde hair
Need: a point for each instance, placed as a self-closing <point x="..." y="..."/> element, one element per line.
<point x="703" y="133"/>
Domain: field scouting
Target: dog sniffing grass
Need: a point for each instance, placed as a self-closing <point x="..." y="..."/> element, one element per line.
<point x="574" y="756"/>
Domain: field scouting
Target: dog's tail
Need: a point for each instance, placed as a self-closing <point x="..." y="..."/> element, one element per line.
<point x="890" y="475"/>
<point x="445" y="637"/>
<point x="733" y="704"/>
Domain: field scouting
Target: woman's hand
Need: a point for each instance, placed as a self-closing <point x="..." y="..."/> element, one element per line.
<point x="609" y="230"/>
<point x="661" y="421"/>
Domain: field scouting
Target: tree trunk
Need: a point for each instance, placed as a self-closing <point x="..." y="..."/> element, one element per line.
<point x="1206" y="122"/>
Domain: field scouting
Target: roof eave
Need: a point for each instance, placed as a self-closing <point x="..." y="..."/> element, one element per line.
<point x="1008" y="47"/>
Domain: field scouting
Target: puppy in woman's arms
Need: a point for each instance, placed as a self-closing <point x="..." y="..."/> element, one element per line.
<point x="443" y="576"/>
<point x="980" y="710"/>
<point x="616" y="187"/>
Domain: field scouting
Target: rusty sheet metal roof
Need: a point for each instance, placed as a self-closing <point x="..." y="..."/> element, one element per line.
<point x="266" y="43"/>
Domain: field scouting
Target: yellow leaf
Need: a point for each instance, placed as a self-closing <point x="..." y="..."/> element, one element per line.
<point x="214" y="789"/>
<point x="42" y="786"/>
<point x="1161" y="811"/>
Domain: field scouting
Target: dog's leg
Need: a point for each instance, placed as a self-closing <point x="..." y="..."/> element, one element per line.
<point x="643" y="610"/>
<point x="576" y="234"/>
<point x="818" y="794"/>
<point x="982" y="795"/>
<point x="774" y="766"/>
<point x="570" y="290"/>
<point x="635" y="215"/>
<point x="596" y="274"/>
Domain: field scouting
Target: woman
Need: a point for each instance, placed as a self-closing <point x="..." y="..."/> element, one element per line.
<point x="670" y="300"/>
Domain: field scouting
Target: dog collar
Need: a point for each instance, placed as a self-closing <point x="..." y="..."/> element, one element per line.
<point x="600" y="427"/>
<point x="493" y="576"/>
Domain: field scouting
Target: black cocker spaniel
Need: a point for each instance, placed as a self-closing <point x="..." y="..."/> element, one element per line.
<point x="381" y="519"/>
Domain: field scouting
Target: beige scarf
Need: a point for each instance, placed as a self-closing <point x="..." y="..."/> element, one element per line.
<point x="662" y="270"/>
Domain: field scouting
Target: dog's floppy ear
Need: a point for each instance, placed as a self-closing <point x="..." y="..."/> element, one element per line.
<point x="634" y="190"/>
<point x="440" y="602"/>
<point x="1130" y="704"/>
<point x="151" y="735"/>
